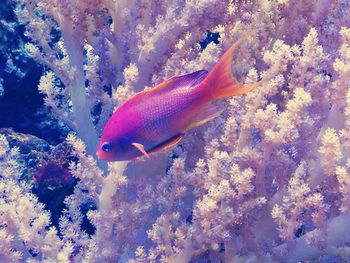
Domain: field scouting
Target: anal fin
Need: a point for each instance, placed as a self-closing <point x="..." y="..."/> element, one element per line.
<point x="208" y="113"/>
<point x="167" y="144"/>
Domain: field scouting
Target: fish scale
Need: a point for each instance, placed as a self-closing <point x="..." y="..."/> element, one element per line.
<point x="162" y="110"/>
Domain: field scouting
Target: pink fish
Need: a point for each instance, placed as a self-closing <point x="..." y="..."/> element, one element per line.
<point x="155" y="119"/>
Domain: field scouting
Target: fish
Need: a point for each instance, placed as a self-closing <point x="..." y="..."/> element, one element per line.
<point x="158" y="118"/>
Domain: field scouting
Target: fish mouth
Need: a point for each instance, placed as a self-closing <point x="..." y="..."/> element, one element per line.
<point x="102" y="156"/>
<point x="98" y="155"/>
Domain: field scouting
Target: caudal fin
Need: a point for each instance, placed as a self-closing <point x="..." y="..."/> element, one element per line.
<point x="220" y="81"/>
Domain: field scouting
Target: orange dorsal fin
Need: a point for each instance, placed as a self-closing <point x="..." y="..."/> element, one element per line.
<point x="187" y="80"/>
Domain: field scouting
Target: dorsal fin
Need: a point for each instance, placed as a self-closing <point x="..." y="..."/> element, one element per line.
<point x="189" y="80"/>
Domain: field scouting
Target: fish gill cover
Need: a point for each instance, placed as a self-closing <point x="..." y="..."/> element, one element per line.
<point x="266" y="181"/>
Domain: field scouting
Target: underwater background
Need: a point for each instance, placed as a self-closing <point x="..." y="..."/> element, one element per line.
<point x="266" y="181"/>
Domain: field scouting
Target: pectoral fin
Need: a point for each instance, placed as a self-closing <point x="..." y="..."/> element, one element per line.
<point x="168" y="143"/>
<point x="141" y="148"/>
<point x="210" y="112"/>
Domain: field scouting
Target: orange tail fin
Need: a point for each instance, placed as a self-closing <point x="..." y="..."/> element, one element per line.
<point x="221" y="83"/>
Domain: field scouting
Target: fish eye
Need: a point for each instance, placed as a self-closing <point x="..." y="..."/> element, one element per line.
<point x="106" y="147"/>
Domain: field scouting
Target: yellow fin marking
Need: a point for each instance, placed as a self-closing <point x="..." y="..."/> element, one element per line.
<point x="141" y="148"/>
